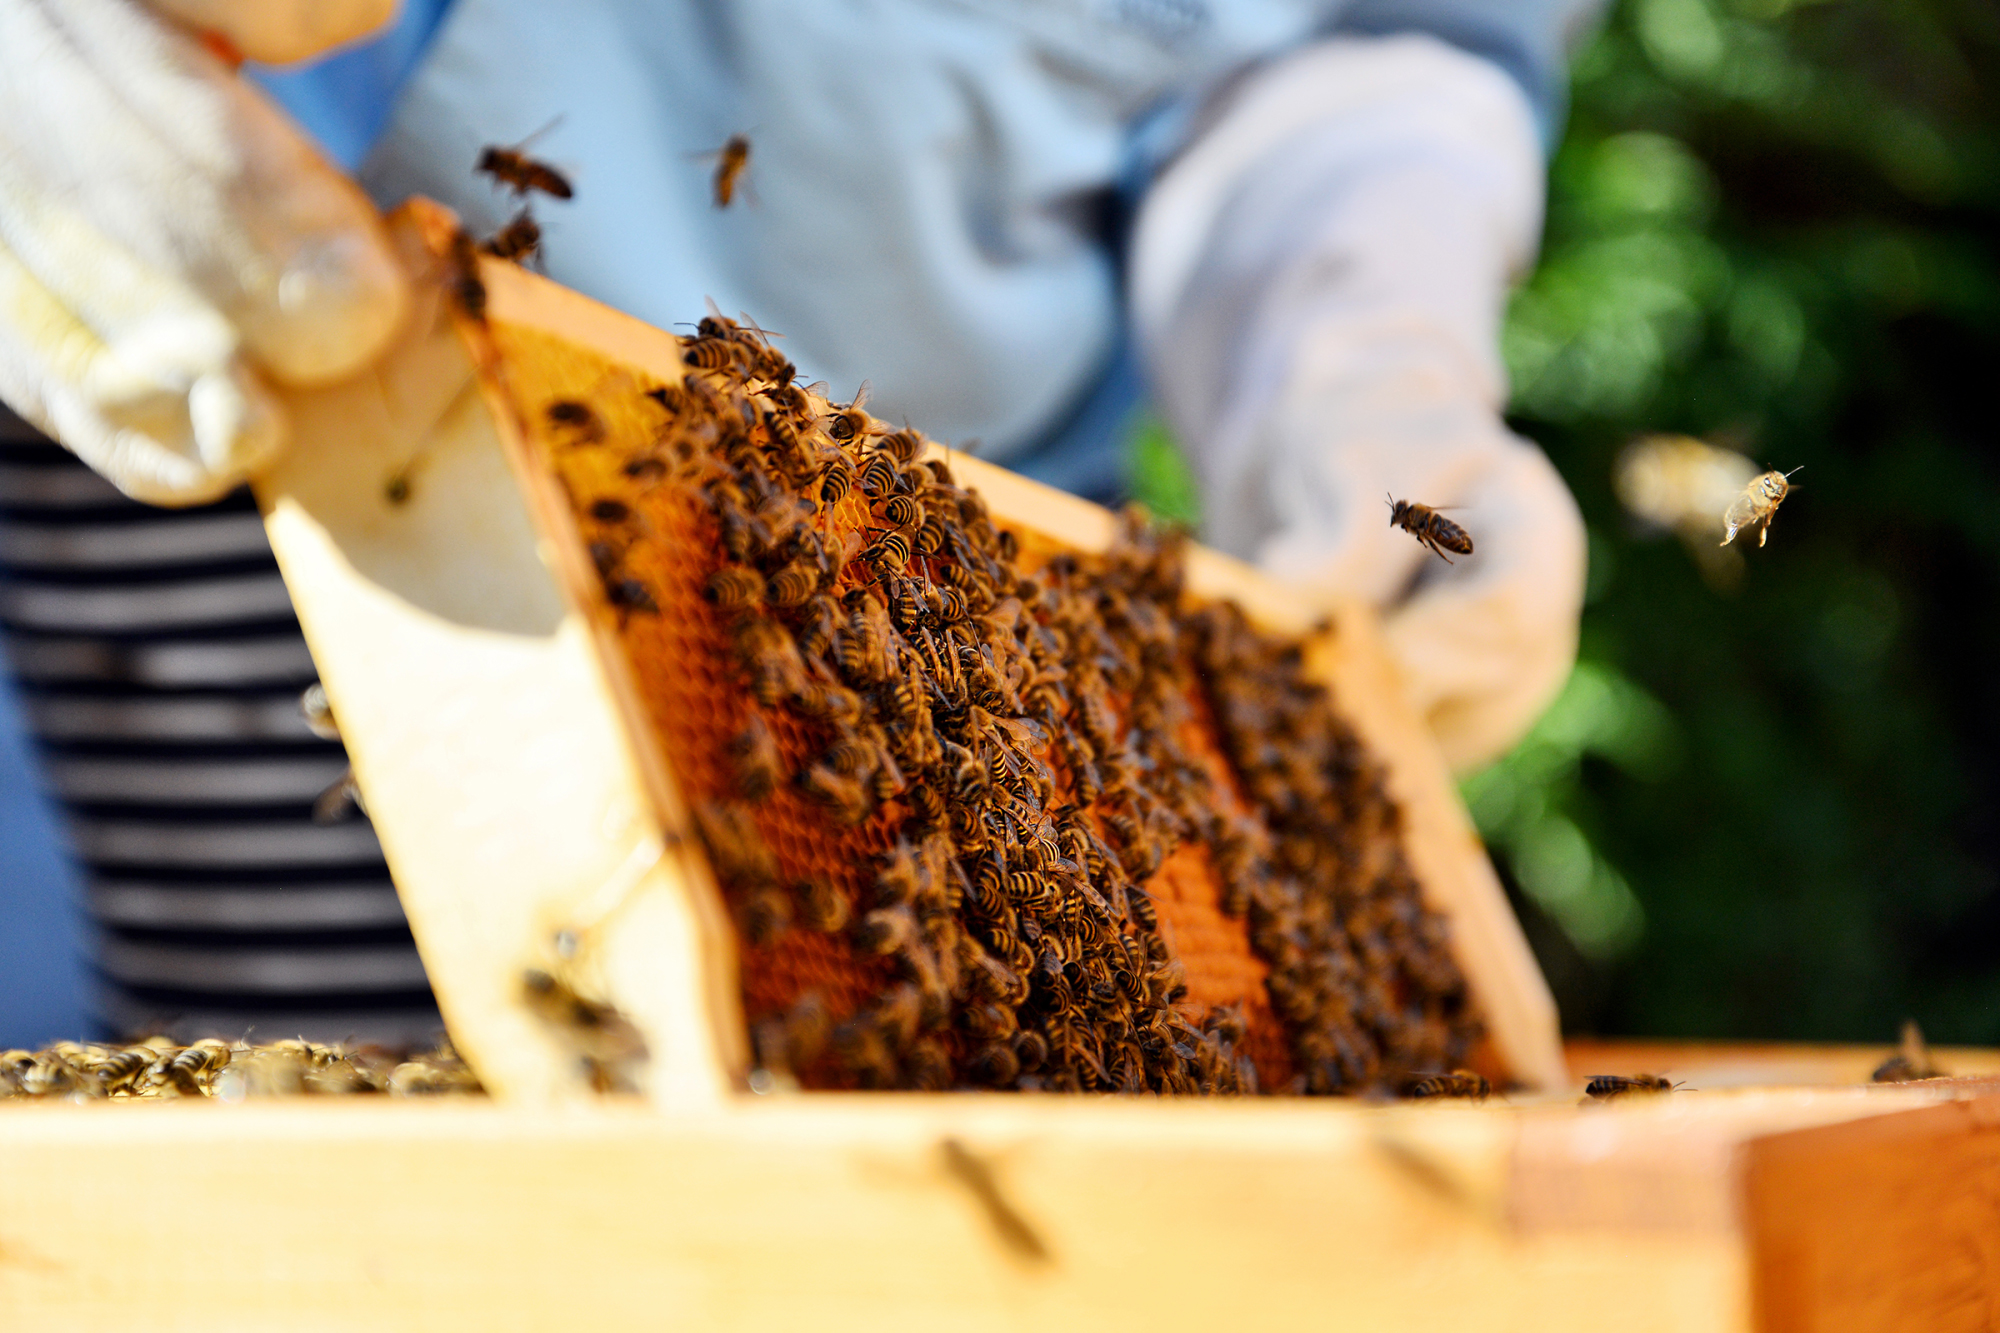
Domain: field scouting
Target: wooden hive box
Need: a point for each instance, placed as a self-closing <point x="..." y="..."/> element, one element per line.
<point x="521" y="799"/>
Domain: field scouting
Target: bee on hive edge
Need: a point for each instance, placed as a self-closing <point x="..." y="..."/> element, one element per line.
<point x="513" y="168"/>
<point x="466" y="288"/>
<point x="1431" y="528"/>
<point x="1458" y="1083"/>
<point x="1911" y="1061"/>
<point x="1757" y="506"/>
<point x="1603" y="1086"/>
<point x="519" y="240"/>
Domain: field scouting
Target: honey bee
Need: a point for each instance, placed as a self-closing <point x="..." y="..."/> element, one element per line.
<point x="629" y="595"/>
<point x="822" y="907"/>
<point x="848" y="800"/>
<point x="878" y="475"/>
<point x="607" y="1042"/>
<point x="766" y="914"/>
<point x="1911" y="1061"/>
<point x="885" y="930"/>
<point x="793" y="584"/>
<point x="836" y="481"/>
<point x="711" y="353"/>
<point x="734" y="587"/>
<point x="568" y="414"/>
<point x="466" y="288"/>
<point x="190" y="1070"/>
<point x="737" y="848"/>
<point x="759" y="767"/>
<point x="731" y="161"/>
<point x="519" y="239"/>
<point x="1458" y="1083"/>
<point x="904" y="511"/>
<point x="1429" y="527"/>
<point x="1757" y="506"/>
<point x="851" y="422"/>
<point x="522" y="174"/>
<point x="1604" y="1086"/>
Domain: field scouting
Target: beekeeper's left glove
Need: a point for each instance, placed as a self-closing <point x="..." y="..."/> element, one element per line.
<point x="170" y="246"/>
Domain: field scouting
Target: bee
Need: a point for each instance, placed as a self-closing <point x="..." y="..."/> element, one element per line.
<point x="904" y="446"/>
<point x="879" y="475"/>
<point x="890" y="552"/>
<point x="466" y="288"/>
<point x="523" y="174"/>
<point x="1429" y="527"/>
<point x="1911" y="1061"/>
<point x="885" y="930"/>
<point x="190" y="1070"/>
<point x="610" y="511"/>
<point x="1605" y="1086"/>
<point x="759" y="767"/>
<point x="629" y="595"/>
<point x="766" y="914"/>
<point x="737" y="848"/>
<point x="822" y="907"/>
<point x="850" y="422"/>
<point x="1458" y="1083"/>
<point x="734" y="587"/>
<point x="711" y="353"/>
<point x="568" y="414"/>
<point x="119" y="1070"/>
<point x="793" y="584"/>
<point x="731" y="161"/>
<point x="607" y="1042"/>
<point x="520" y="239"/>
<point x="847" y="799"/>
<point x="1757" y="506"/>
<point x="836" y="481"/>
<point x="903" y="511"/>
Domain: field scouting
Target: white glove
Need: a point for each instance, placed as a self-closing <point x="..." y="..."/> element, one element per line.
<point x="1317" y="287"/>
<point x="171" y="246"/>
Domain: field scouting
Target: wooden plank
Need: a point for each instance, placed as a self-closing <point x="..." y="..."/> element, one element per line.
<point x="1891" y="1223"/>
<point x="1721" y="1064"/>
<point x="838" y="1211"/>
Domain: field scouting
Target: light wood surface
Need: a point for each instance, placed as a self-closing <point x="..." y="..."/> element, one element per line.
<point x="508" y="764"/>
<point x="1857" y="1208"/>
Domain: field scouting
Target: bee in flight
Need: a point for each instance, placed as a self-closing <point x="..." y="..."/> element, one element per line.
<point x="731" y="161"/>
<point x="1757" y="506"/>
<point x="1430" y="527"/>
<point x="522" y="174"/>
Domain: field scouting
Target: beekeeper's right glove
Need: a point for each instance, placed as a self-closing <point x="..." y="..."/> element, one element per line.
<point x="170" y="246"/>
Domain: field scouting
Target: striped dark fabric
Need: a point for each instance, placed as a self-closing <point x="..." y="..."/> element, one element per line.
<point x="159" y="666"/>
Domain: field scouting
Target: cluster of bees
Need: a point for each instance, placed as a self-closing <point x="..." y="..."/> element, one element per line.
<point x="1019" y="737"/>
<point x="158" y="1067"/>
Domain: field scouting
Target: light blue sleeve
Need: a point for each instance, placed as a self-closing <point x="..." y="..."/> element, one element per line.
<point x="1530" y="39"/>
<point x="343" y="100"/>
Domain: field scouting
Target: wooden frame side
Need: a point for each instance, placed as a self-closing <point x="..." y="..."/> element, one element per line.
<point x="502" y="782"/>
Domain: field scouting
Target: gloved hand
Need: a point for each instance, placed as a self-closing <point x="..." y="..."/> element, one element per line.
<point x="1317" y="286"/>
<point x="170" y="246"/>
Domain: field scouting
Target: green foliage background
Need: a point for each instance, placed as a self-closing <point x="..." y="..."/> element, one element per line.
<point x="1771" y="807"/>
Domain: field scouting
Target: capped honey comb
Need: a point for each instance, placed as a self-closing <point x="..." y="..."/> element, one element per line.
<point x="987" y="812"/>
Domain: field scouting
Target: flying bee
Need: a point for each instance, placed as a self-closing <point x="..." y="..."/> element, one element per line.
<point x="1605" y="1086"/>
<point x="759" y="767"/>
<point x="606" y="1040"/>
<point x="731" y="161"/>
<point x="1429" y="527"/>
<point x="1757" y="506"/>
<point x="520" y="239"/>
<point x="735" y="586"/>
<point x="522" y="174"/>
<point x="1458" y="1083"/>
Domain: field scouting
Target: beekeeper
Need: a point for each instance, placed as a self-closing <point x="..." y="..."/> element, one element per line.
<point x="1293" y="222"/>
